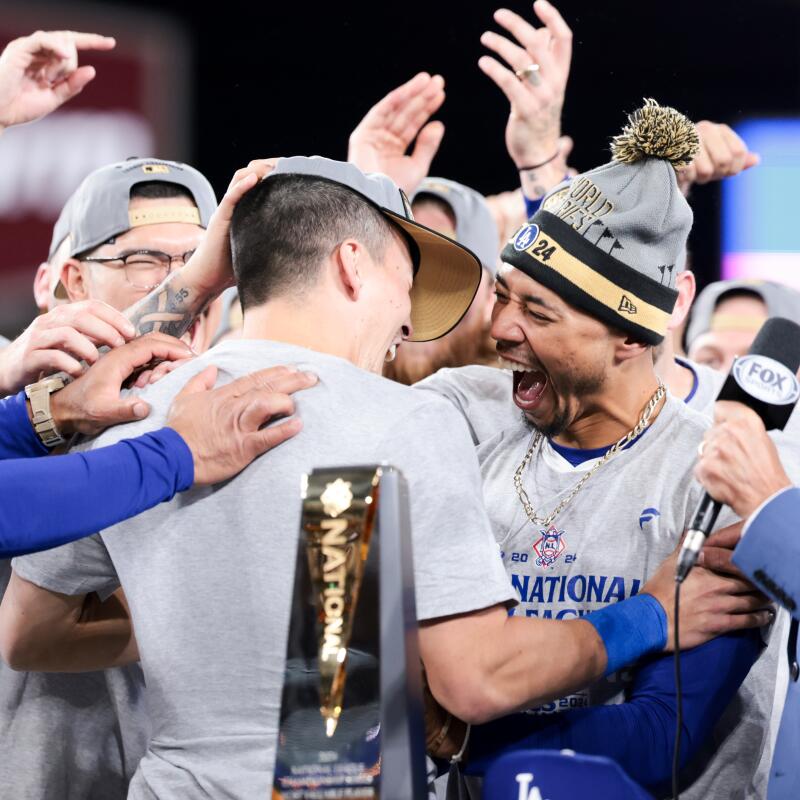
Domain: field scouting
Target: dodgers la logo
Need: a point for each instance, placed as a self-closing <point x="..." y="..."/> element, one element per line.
<point x="526" y="237"/>
<point x="549" y="547"/>
<point x="526" y="791"/>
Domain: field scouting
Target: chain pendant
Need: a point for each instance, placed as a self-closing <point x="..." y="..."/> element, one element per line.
<point x="536" y="440"/>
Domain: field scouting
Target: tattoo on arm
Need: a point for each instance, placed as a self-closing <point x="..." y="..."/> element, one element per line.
<point x="531" y="185"/>
<point x="170" y="308"/>
<point x="537" y="183"/>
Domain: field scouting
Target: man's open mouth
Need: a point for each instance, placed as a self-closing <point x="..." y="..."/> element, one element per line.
<point x="529" y="383"/>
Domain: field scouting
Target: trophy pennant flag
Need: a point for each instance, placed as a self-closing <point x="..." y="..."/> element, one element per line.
<point x="337" y="552"/>
<point x="351" y="708"/>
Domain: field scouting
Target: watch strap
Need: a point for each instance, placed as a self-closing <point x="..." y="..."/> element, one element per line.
<point x="38" y="395"/>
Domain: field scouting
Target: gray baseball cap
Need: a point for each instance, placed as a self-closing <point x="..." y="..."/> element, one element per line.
<point x="781" y="301"/>
<point x="446" y="274"/>
<point x="98" y="208"/>
<point x="475" y="225"/>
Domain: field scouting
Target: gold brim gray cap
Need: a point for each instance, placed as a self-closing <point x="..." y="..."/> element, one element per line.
<point x="780" y="301"/>
<point x="98" y="209"/>
<point x="612" y="240"/>
<point x="446" y="274"/>
<point x="475" y="225"/>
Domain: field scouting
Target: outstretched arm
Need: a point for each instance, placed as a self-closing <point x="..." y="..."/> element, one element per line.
<point x="523" y="662"/>
<point x="533" y="131"/>
<point x="644" y="726"/>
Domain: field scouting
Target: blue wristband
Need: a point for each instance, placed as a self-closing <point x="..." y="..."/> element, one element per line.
<point x="630" y="629"/>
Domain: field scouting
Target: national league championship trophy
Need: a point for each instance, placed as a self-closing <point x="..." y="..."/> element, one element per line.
<point x="351" y="711"/>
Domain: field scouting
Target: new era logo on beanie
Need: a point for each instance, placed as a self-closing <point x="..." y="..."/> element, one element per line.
<point x="609" y="241"/>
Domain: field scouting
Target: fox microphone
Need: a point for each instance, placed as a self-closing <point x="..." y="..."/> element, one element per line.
<point x="765" y="381"/>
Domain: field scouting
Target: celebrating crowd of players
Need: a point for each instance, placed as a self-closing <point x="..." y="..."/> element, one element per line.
<point x="549" y="441"/>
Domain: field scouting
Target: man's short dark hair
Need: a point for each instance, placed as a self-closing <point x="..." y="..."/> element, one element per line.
<point x="160" y="190"/>
<point x="285" y="227"/>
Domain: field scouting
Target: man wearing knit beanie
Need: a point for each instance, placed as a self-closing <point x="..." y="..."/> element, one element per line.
<point x="592" y="487"/>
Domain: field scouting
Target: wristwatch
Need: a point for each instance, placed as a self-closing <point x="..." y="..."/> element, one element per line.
<point x="41" y="418"/>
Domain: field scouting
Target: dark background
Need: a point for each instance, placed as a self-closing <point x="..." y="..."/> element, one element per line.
<point x="295" y="78"/>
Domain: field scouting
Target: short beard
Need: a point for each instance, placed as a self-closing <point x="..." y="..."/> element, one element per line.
<point x="574" y="386"/>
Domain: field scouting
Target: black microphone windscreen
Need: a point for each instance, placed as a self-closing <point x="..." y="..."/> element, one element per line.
<point x="779" y="338"/>
<point x="766" y="378"/>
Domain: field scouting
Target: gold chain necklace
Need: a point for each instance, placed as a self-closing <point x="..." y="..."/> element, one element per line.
<point x="536" y="440"/>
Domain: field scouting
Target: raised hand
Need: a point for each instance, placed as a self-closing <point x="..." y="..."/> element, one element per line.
<point x="534" y="122"/>
<point x="186" y="292"/>
<point x="40" y="72"/>
<point x="210" y="267"/>
<point x="722" y="154"/>
<point x="380" y="141"/>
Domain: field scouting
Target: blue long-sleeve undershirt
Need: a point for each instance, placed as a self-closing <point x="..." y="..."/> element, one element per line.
<point x="639" y="733"/>
<point x="47" y="502"/>
<point x="17" y="436"/>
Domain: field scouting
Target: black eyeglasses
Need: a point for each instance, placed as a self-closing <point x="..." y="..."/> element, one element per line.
<point x="144" y="269"/>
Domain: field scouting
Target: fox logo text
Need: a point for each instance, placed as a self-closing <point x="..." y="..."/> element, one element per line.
<point x="549" y="547"/>
<point x="766" y="379"/>
<point x="526" y="791"/>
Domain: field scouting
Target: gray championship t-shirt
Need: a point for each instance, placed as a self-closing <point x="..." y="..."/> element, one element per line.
<point x="209" y="575"/>
<point x="66" y="736"/>
<point x="602" y="549"/>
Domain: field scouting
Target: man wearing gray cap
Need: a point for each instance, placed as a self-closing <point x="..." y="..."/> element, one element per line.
<point x="333" y="274"/>
<point x="129" y="224"/>
<point x="724" y="320"/>
<point x="119" y="235"/>
<point x="727" y="315"/>
<point x="117" y="238"/>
